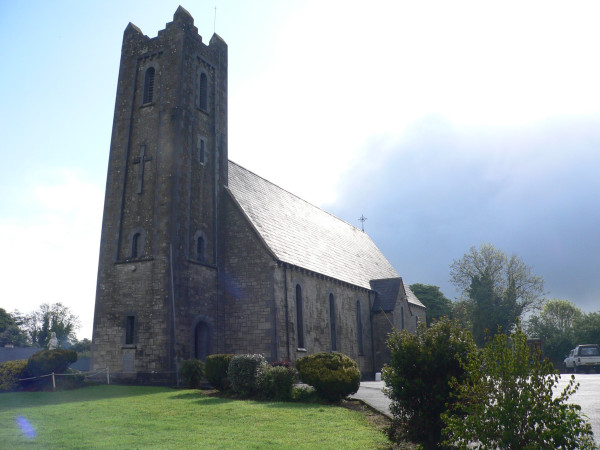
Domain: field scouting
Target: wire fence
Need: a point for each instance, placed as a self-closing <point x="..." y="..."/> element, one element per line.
<point x="85" y="375"/>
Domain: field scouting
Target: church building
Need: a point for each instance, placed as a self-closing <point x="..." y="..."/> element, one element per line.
<point x="199" y="255"/>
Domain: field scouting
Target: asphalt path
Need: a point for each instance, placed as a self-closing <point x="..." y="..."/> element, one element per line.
<point x="587" y="396"/>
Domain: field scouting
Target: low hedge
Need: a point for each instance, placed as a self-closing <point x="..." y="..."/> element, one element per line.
<point x="10" y="373"/>
<point x="277" y="382"/>
<point x="192" y="373"/>
<point x="215" y="370"/>
<point x="333" y="375"/>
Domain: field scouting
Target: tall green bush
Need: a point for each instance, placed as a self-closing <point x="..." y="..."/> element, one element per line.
<point x="245" y="373"/>
<point x="333" y="375"/>
<point x="192" y="373"/>
<point x="215" y="370"/>
<point x="10" y="373"/>
<point x="418" y="376"/>
<point x="507" y="401"/>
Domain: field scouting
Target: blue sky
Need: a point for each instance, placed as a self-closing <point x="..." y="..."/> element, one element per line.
<point x="447" y="124"/>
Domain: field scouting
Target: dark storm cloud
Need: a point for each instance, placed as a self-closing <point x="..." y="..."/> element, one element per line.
<point x="440" y="188"/>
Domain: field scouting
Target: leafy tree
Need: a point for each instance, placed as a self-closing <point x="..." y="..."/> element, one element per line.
<point x="499" y="289"/>
<point x="587" y="328"/>
<point x="10" y="332"/>
<point x="508" y="401"/>
<point x="49" y="318"/>
<point x="437" y="304"/>
<point x="83" y="347"/>
<point x="418" y="377"/>
<point x="554" y="325"/>
<point x="6" y="320"/>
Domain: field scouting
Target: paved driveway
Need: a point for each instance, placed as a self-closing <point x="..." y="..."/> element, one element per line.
<point x="587" y="396"/>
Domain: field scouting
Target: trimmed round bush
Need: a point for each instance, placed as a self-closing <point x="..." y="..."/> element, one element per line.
<point x="277" y="382"/>
<point x="215" y="370"/>
<point x="192" y="373"/>
<point x="245" y="373"/>
<point x="333" y="375"/>
<point x="10" y="373"/>
<point x="46" y="362"/>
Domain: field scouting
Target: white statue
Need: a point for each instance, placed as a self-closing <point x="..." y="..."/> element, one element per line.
<point x="53" y="341"/>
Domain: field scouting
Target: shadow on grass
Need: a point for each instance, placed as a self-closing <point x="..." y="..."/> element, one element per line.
<point x="12" y="400"/>
<point x="201" y="398"/>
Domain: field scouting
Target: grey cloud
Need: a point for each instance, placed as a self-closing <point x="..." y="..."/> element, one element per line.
<point x="440" y="188"/>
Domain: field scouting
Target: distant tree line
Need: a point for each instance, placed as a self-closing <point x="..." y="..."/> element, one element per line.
<point x="496" y="292"/>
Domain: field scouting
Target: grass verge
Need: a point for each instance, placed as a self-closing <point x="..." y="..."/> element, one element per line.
<point x="151" y="417"/>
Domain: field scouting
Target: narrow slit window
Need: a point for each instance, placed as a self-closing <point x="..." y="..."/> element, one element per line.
<point x="299" y="316"/>
<point x="359" y="328"/>
<point x="200" y="248"/>
<point x="203" y="96"/>
<point x="129" y="329"/>
<point x="402" y="318"/>
<point x="136" y="245"/>
<point x="201" y="149"/>
<point x="149" y="85"/>
<point x="332" y="323"/>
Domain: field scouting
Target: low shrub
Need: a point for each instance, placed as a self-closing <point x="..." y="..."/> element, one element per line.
<point x="10" y="373"/>
<point x="333" y="375"/>
<point x="277" y="382"/>
<point x="192" y="373"/>
<point x="215" y="370"/>
<point x="46" y="362"/>
<point x="282" y="363"/>
<point x="245" y="373"/>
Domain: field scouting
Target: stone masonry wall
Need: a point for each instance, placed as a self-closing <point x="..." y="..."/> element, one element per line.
<point x="247" y="284"/>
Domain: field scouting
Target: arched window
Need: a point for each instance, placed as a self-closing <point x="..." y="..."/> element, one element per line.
<point x="359" y="328"/>
<point x="137" y="245"/>
<point x="202" y="341"/>
<point x="402" y="317"/>
<point x="200" y="248"/>
<point x="203" y="94"/>
<point x="299" y="316"/>
<point x="417" y="321"/>
<point x="149" y="85"/>
<point x="332" y="323"/>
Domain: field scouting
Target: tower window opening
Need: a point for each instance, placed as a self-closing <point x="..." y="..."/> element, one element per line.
<point x="149" y="85"/>
<point x="136" y="245"/>
<point x="200" y="248"/>
<point x="203" y="95"/>
<point x="129" y="330"/>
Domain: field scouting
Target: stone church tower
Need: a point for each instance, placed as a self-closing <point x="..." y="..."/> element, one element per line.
<point x="199" y="255"/>
<point x="157" y="275"/>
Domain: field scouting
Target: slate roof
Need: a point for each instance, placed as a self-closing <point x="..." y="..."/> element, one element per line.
<point x="303" y="235"/>
<point x="386" y="294"/>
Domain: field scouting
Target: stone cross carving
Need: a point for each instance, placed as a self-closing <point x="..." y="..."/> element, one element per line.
<point x="141" y="160"/>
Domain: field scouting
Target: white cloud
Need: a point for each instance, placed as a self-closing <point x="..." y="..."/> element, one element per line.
<point x="53" y="255"/>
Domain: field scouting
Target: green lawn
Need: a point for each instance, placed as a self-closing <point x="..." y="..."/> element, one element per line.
<point x="152" y="417"/>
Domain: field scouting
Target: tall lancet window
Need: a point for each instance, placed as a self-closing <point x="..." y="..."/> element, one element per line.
<point x="149" y="85"/>
<point x="332" y="323"/>
<point x="359" y="328"/>
<point x="299" y="316"/>
<point x="203" y="94"/>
